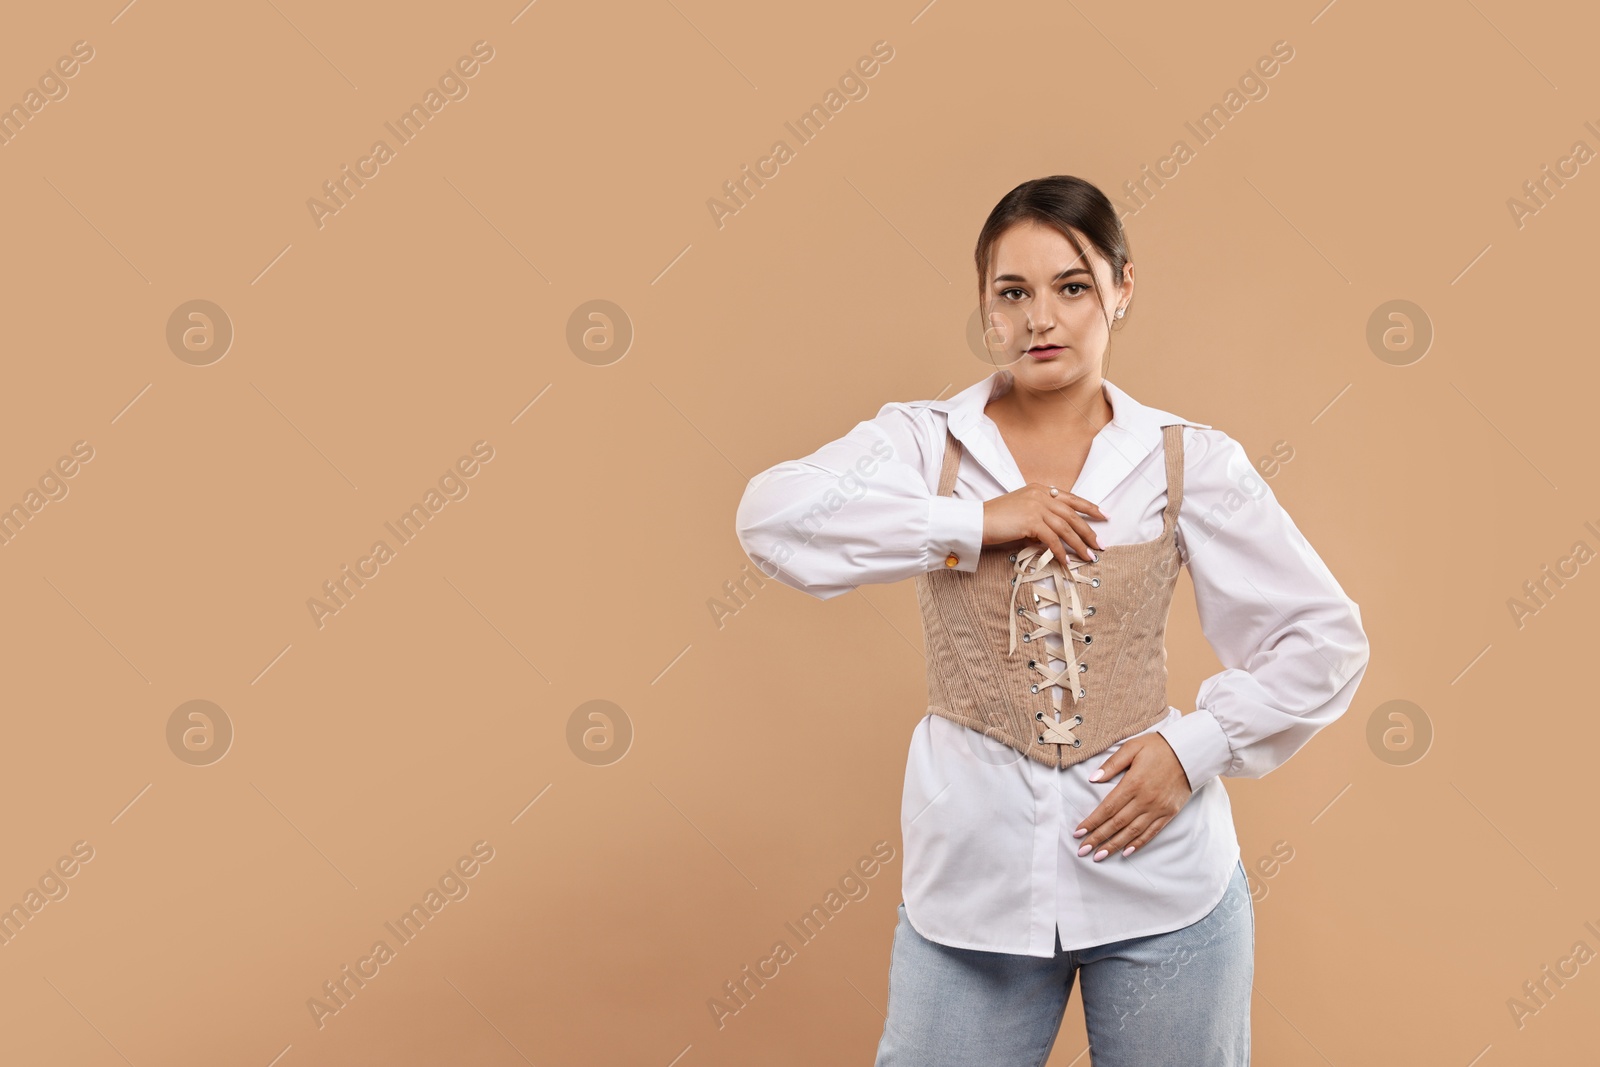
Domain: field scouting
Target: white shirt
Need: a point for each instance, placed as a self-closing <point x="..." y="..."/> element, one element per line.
<point x="990" y="860"/>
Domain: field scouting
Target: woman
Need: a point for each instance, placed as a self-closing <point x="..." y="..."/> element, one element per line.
<point x="1059" y="818"/>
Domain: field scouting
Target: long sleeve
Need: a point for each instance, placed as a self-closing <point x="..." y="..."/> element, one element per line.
<point x="1288" y="637"/>
<point x="860" y="509"/>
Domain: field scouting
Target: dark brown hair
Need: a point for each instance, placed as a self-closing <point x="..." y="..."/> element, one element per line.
<point x="1065" y="204"/>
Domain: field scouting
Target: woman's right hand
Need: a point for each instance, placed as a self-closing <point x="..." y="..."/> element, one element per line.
<point x="1031" y="513"/>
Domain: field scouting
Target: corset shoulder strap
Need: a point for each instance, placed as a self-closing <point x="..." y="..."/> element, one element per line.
<point x="952" y="463"/>
<point x="1172" y="442"/>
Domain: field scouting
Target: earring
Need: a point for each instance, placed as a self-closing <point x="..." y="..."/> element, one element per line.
<point x="1120" y="311"/>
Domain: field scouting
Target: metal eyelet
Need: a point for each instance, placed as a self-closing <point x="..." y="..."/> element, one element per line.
<point x="1026" y="637"/>
<point x="1035" y="689"/>
<point x="1039" y="715"/>
<point x="1079" y="721"/>
<point x="1081" y="692"/>
<point x="1032" y="663"/>
<point x="1022" y="611"/>
<point x="1094" y="583"/>
<point x="1082" y="667"/>
<point x="1013" y="581"/>
<point x="1088" y="638"/>
<point x="1076" y="741"/>
<point x="1041" y="739"/>
<point x="1089" y="612"/>
<point x="1013" y="557"/>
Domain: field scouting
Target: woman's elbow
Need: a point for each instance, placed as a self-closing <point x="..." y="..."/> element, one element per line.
<point x="1360" y="630"/>
<point x="1356" y="645"/>
<point x="776" y="559"/>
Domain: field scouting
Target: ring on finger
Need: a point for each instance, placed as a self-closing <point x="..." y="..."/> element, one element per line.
<point x="1054" y="491"/>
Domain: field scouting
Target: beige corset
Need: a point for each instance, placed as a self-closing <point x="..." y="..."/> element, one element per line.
<point x="988" y="658"/>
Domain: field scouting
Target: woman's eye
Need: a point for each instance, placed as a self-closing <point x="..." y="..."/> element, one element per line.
<point x="1081" y="287"/>
<point x="1003" y="292"/>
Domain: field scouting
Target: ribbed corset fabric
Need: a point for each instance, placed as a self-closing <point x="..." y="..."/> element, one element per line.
<point x="990" y="649"/>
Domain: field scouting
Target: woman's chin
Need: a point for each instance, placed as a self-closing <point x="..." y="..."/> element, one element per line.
<point x="1045" y="373"/>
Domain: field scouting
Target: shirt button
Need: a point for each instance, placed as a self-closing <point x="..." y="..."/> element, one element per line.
<point x="952" y="560"/>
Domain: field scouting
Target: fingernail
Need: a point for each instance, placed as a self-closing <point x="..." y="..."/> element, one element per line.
<point x="1084" y="849"/>
<point x="1095" y="777"/>
<point x="1098" y="856"/>
<point x="1080" y="831"/>
<point x="1128" y="851"/>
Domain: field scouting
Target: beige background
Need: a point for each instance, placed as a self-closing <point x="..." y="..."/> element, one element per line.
<point x="433" y="710"/>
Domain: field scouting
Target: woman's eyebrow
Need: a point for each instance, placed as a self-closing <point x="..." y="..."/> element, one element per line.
<point x="1069" y="272"/>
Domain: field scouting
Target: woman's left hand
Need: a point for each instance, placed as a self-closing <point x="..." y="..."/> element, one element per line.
<point x="1149" y="795"/>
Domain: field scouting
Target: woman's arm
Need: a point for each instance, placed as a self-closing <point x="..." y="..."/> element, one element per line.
<point x="860" y="509"/>
<point x="1289" y="638"/>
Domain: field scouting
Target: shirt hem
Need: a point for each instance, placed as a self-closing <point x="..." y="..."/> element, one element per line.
<point x="1164" y="927"/>
<point x="961" y="945"/>
<point x="1167" y="926"/>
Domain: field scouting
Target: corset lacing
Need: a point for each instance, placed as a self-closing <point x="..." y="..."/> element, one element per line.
<point x="1033" y="564"/>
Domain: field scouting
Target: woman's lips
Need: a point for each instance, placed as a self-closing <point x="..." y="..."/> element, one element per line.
<point x="1047" y="352"/>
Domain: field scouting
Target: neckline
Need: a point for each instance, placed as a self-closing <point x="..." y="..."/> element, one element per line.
<point x="1160" y="538"/>
<point x="1005" y="446"/>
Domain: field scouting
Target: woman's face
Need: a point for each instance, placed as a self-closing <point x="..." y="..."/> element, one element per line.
<point x="1048" y="306"/>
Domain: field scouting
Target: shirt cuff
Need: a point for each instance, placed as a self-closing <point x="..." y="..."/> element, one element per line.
<point x="955" y="531"/>
<point x="1201" y="746"/>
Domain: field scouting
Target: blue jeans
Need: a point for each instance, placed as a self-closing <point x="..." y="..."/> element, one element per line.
<point x="1181" y="998"/>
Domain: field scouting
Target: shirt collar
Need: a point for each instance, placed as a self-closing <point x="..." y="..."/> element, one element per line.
<point x="1132" y="434"/>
